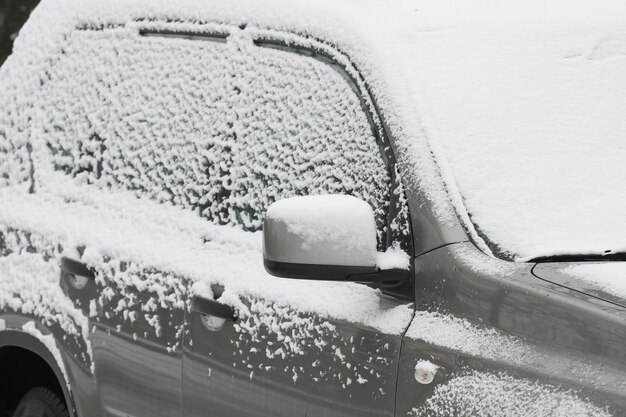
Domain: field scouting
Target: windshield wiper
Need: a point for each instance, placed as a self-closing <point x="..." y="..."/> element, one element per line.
<point x="610" y="256"/>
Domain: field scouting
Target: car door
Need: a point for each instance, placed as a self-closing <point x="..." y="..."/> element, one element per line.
<point x="256" y="345"/>
<point x="283" y="362"/>
<point x="136" y="318"/>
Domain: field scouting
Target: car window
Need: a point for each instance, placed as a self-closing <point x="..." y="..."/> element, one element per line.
<point x="202" y="124"/>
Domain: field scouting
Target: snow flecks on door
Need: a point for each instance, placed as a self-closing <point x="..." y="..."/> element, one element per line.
<point x="29" y="276"/>
<point x="278" y="339"/>
<point x="138" y="297"/>
<point x="129" y="298"/>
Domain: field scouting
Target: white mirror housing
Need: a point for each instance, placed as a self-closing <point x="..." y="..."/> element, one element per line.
<point x="324" y="236"/>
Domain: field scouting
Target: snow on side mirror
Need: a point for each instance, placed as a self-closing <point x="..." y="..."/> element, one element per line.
<point x="323" y="237"/>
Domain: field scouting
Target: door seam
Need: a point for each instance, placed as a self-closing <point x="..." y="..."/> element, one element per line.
<point x="395" y="398"/>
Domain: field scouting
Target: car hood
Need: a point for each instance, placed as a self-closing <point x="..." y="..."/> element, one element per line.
<point x="605" y="280"/>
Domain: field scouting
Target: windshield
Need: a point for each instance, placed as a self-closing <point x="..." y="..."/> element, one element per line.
<point x="531" y="119"/>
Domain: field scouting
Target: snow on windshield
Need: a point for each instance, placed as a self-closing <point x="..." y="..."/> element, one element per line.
<point x="529" y="113"/>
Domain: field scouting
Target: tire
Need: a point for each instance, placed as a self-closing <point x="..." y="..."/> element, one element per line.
<point x="41" y="402"/>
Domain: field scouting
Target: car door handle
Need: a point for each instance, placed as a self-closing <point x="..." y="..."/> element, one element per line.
<point x="76" y="268"/>
<point x="213" y="308"/>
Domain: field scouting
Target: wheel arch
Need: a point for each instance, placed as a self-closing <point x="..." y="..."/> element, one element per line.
<point x="18" y="344"/>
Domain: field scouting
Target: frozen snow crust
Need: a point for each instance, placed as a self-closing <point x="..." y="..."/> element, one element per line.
<point x="222" y="129"/>
<point x="226" y="200"/>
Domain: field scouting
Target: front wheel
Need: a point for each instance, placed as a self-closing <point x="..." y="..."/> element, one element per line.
<point x="41" y="402"/>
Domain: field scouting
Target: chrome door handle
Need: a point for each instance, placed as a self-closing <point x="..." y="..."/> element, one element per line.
<point x="76" y="268"/>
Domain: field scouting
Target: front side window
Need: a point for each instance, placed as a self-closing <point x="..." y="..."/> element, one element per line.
<point x="202" y="124"/>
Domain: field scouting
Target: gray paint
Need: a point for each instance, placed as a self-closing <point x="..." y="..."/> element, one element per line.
<point x="228" y="372"/>
<point x="135" y="375"/>
<point x="430" y="233"/>
<point x="576" y="340"/>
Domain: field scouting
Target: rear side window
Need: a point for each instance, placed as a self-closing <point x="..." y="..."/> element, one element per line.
<point x="224" y="128"/>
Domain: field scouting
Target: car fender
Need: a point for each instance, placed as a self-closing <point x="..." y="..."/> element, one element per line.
<point x="24" y="340"/>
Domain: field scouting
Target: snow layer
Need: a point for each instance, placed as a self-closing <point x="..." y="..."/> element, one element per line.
<point x="50" y="33"/>
<point x="527" y="101"/>
<point x="129" y="137"/>
<point x="29" y="278"/>
<point x="428" y="366"/>
<point x="507" y="97"/>
<point x="393" y="258"/>
<point x="480" y="394"/>
<point x="222" y="128"/>
<point x="336" y="228"/>
<point x="463" y="336"/>
<point x="609" y="276"/>
<point x="475" y="393"/>
<point x="179" y="243"/>
<point x="507" y="109"/>
<point x="481" y="263"/>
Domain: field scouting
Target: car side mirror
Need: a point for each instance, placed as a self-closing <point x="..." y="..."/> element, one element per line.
<point x="323" y="237"/>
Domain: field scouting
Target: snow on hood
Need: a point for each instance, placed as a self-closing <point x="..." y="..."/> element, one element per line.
<point x="606" y="280"/>
<point x="611" y="277"/>
<point x="529" y="112"/>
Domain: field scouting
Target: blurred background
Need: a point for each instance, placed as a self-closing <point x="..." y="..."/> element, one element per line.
<point x="13" y="14"/>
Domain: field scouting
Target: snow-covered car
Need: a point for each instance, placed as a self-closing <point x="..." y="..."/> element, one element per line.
<point x="333" y="208"/>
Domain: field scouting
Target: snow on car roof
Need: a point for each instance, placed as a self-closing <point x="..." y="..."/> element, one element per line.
<point x="520" y="104"/>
